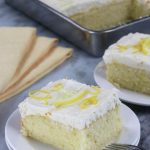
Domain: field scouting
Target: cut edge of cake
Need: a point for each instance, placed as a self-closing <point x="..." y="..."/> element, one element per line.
<point x="95" y="137"/>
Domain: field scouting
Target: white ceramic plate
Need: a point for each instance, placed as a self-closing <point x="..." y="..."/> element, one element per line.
<point x="12" y="149"/>
<point x="129" y="135"/>
<point x="124" y="94"/>
<point x="9" y="147"/>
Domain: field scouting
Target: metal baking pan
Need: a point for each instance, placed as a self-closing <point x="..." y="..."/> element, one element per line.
<point x="93" y="42"/>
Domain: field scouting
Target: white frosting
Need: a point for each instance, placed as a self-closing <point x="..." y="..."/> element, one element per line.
<point x="70" y="7"/>
<point x="128" y="57"/>
<point x="72" y="115"/>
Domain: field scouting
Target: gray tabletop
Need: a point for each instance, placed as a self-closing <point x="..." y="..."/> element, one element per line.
<point x="80" y="67"/>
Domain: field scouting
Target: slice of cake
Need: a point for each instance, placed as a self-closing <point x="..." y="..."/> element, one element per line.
<point x="94" y="14"/>
<point x="128" y="63"/>
<point x="72" y="116"/>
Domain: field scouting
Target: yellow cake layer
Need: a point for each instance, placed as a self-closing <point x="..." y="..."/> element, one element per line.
<point x="140" y="9"/>
<point x="100" y="133"/>
<point x="127" y="77"/>
<point x="104" y="16"/>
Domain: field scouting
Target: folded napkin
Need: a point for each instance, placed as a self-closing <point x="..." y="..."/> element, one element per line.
<point x="43" y="56"/>
<point x="15" y="45"/>
<point x="57" y="57"/>
<point x="43" y="47"/>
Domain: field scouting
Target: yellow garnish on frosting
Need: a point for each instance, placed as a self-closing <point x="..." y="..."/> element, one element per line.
<point x="143" y="46"/>
<point x="88" y="101"/>
<point x="70" y="101"/>
<point x="57" y="87"/>
<point x="35" y="95"/>
<point x="123" y="48"/>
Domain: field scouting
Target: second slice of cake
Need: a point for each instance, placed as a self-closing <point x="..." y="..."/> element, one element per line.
<point x="72" y="116"/>
<point x="128" y="63"/>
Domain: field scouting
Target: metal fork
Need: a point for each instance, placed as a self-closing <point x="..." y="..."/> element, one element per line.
<point x="122" y="147"/>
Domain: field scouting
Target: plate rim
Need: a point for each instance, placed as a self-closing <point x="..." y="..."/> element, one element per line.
<point x="123" y="106"/>
<point x="102" y="64"/>
<point x="7" y="144"/>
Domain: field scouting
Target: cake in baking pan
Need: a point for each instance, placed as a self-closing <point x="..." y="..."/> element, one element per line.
<point x="128" y="63"/>
<point x="101" y="14"/>
<point x="94" y="14"/>
<point x="72" y="116"/>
